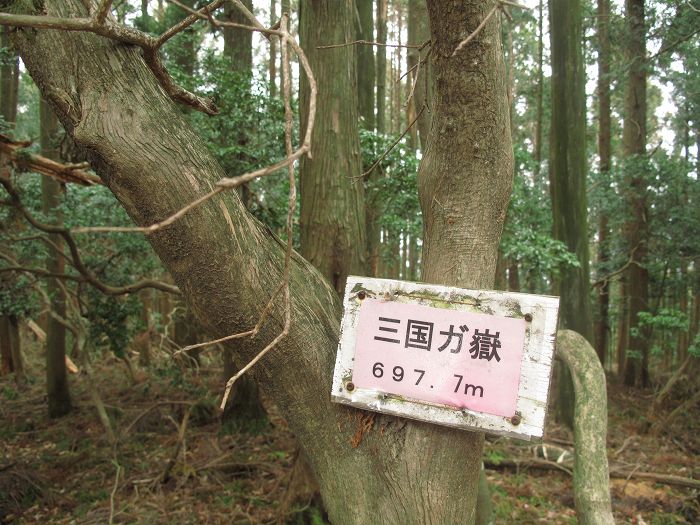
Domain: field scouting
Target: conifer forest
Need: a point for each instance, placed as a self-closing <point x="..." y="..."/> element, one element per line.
<point x="214" y="212"/>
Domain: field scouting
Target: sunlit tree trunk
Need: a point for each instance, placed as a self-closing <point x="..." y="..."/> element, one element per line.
<point x="52" y="194"/>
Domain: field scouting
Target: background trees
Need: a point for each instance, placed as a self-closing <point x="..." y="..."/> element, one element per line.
<point x="360" y="209"/>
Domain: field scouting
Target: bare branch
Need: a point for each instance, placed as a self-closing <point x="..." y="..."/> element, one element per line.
<point x="473" y="34"/>
<point x="73" y="173"/>
<point x="287" y="89"/>
<point x="383" y="155"/>
<point x="187" y="22"/>
<point x="88" y="276"/>
<point x="370" y="43"/>
<point x="153" y="227"/>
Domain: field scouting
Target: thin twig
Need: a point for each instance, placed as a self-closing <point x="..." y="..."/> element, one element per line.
<point x="370" y="43"/>
<point x="78" y="264"/>
<point x="383" y="155"/>
<point x="287" y="88"/>
<point x="114" y="492"/>
<point x="153" y="227"/>
<point x="473" y="34"/>
<point x="102" y="11"/>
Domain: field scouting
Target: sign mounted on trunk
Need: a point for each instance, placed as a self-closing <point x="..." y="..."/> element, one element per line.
<point x="477" y="360"/>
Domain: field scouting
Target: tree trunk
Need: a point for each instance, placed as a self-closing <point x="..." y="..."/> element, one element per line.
<point x="604" y="154"/>
<point x="6" y="365"/>
<point x="591" y="475"/>
<point x="52" y="195"/>
<point x="238" y="43"/>
<point x="622" y="330"/>
<point x="461" y="236"/>
<point x="382" y="8"/>
<point x="365" y="62"/>
<point x="227" y="263"/>
<point x="9" y="88"/>
<point x="9" y="79"/>
<point x="636" y="230"/>
<point x="567" y="175"/>
<point x="418" y="34"/>
<point x="332" y="219"/>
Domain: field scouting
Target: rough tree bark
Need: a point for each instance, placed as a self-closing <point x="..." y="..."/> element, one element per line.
<point x="567" y="175"/>
<point x="470" y="115"/>
<point x="226" y="263"/>
<point x="332" y="219"/>
<point x="52" y="194"/>
<point x="244" y="407"/>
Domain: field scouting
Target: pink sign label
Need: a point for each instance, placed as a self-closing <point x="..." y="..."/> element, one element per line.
<point x="448" y="357"/>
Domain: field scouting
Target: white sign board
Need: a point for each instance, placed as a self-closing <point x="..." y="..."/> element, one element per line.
<point x="477" y="360"/>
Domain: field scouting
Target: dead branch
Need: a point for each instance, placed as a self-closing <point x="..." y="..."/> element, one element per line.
<point x="616" y="473"/>
<point x="604" y="280"/>
<point x="500" y="5"/>
<point x="67" y="173"/>
<point x="182" y="428"/>
<point x="148" y="410"/>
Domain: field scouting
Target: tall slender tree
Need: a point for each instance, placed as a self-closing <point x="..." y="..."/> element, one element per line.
<point x="636" y="228"/>
<point x="604" y="156"/>
<point x="382" y="11"/>
<point x="52" y="194"/>
<point x="10" y="341"/>
<point x="567" y="175"/>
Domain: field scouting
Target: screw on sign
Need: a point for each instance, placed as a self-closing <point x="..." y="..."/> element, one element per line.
<point x="470" y="359"/>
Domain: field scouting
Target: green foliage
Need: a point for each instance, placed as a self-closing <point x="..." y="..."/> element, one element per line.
<point x="527" y="236"/>
<point x="248" y="134"/>
<point x="391" y="189"/>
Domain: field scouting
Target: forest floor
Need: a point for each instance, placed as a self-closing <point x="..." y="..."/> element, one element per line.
<point x="66" y="471"/>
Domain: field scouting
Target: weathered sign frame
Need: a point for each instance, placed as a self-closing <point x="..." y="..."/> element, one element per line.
<point x="540" y="313"/>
